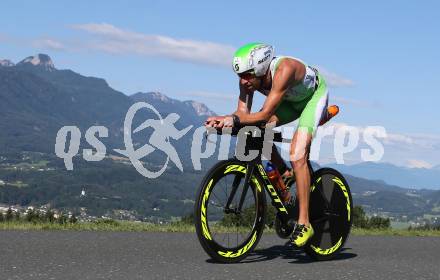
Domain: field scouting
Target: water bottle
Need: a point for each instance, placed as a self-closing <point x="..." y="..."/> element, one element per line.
<point x="277" y="181"/>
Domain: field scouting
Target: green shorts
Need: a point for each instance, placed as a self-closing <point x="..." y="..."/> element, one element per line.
<point x="309" y="111"/>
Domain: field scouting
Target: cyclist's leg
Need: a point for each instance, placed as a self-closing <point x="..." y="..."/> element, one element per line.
<point x="299" y="151"/>
<point x="308" y="123"/>
<point x="285" y="113"/>
<point x="315" y="109"/>
<point x="275" y="157"/>
<point x="309" y="120"/>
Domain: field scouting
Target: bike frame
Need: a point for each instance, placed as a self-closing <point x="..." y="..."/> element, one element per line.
<point x="255" y="168"/>
<point x="285" y="212"/>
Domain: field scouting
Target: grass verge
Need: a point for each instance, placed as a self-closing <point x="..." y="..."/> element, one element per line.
<point x="111" y="225"/>
<point x="395" y="232"/>
<point x="106" y="225"/>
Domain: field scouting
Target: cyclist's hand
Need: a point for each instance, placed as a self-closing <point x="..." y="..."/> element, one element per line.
<point x="220" y="121"/>
<point x="213" y="121"/>
<point x="228" y="121"/>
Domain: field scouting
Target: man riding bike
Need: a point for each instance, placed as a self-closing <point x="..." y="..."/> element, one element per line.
<point x="293" y="90"/>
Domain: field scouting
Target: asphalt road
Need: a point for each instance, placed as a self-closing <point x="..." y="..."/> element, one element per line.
<point x="134" y="255"/>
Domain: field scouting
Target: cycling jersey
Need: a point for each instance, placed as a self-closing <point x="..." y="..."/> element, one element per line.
<point x="299" y="91"/>
<point x="306" y="101"/>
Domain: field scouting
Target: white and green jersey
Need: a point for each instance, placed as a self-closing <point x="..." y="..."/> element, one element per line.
<point x="306" y="101"/>
<point x="300" y="91"/>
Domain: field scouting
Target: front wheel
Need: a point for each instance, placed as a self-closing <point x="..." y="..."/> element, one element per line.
<point x="229" y="234"/>
<point x="331" y="213"/>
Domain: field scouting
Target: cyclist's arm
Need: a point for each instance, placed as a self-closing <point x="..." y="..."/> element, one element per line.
<point x="243" y="107"/>
<point x="244" y="101"/>
<point x="286" y="75"/>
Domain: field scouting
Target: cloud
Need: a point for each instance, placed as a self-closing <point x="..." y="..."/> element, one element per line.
<point x="393" y="138"/>
<point x="334" y="80"/>
<point x="430" y="142"/>
<point x="416" y="163"/>
<point x="422" y="141"/>
<point x="49" y="44"/>
<point x="212" y="95"/>
<point x="355" y="102"/>
<point x="111" y="39"/>
<point x="413" y="150"/>
<point x="114" y="40"/>
<point x="426" y="141"/>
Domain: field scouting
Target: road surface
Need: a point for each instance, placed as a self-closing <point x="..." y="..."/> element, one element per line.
<point x="141" y="255"/>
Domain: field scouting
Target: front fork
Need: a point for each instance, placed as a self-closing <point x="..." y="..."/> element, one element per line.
<point x="249" y="171"/>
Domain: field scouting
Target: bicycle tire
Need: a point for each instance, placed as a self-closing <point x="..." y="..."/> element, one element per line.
<point x="212" y="246"/>
<point x="329" y="192"/>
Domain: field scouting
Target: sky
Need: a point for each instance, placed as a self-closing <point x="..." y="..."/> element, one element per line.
<point x="379" y="57"/>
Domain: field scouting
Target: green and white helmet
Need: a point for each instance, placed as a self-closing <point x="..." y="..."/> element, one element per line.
<point x="253" y="56"/>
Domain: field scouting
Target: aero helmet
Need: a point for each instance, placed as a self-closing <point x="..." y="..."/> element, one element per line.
<point x="254" y="56"/>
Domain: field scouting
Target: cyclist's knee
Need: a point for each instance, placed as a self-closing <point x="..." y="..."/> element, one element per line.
<point x="300" y="148"/>
<point x="299" y="161"/>
<point x="275" y="119"/>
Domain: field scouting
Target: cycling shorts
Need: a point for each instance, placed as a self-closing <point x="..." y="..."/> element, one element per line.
<point x="309" y="111"/>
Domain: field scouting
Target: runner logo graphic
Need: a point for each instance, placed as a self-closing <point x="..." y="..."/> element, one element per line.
<point x="164" y="129"/>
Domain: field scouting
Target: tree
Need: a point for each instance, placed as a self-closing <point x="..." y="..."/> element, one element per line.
<point x="73" y="219"/>
<point x="2" y="218"/>
<point x="31" y="215"/>
<point x="17" y="216"/>
<point x="188" y="219"/>
<point x="49" y="216"/>
<point x="359" y="217"/>
<point x="244" y="219"/>
<point x="9" y="215"/>
<point x="379" y="222"/>
<point x="270" y="215"/>
<point x="62" y="218"/>
<point x="361" y="220"/>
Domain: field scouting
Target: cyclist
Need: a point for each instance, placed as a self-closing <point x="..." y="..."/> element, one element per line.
<point x="293" y="90"/>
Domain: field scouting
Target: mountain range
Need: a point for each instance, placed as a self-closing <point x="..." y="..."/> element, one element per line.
<point x="414" y="178"/>
<point x="37" y="100"/>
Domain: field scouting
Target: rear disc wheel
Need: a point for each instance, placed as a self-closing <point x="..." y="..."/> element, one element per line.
<point x="330" y="212"/>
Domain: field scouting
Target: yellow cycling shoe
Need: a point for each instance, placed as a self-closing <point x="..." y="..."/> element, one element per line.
<point x="301" y="234"/>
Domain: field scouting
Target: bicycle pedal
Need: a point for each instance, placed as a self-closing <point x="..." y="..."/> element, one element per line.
<point x="290" y="244"/>
<point x="291" y="223"/>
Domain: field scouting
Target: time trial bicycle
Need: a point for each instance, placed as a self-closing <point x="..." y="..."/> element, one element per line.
<point x="230" y="207"/>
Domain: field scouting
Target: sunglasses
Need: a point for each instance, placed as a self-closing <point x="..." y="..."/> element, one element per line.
<point x="247" y="75"/>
